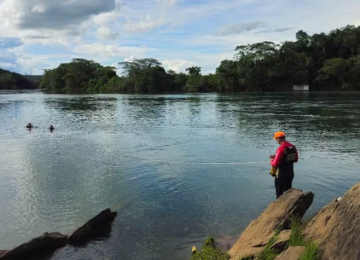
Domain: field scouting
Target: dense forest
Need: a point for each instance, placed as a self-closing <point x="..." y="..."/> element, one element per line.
<point x="10" y="80"/>
<point x="323" y="61"/>
<point x="34" y="79"/>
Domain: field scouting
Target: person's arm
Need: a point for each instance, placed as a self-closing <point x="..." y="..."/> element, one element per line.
<point x="296" y="156"/>
<point x="278" y="157"/>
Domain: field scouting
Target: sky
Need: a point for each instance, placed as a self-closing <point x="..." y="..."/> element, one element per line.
<point x="40" y="34"/>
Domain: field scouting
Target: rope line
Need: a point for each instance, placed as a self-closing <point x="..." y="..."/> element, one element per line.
<point x="204" y="163"/>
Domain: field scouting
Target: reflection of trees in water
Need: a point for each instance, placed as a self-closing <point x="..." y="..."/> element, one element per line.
<point x="85" y="108"/>
<point x="299" y="114"/>
<point x="144" y="109"/>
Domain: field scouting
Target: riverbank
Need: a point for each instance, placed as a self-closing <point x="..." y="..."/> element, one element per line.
<point x="44" y="246"/>
<point x="19" y="91"/>
<point x="281" y="234"/>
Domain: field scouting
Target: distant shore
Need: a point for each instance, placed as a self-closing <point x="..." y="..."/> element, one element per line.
<point x="19" y="91"/>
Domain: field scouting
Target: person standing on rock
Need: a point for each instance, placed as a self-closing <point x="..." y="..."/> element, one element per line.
<point x="285" y="157"/>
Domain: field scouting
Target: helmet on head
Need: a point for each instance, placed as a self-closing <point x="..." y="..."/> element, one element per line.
<point x="279" y="135"/>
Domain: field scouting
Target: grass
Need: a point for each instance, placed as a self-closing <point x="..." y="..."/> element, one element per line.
<point x="296" y="239"/>
<point x="311" y="252"/>
<point x="210" y="252"/>
<point x="270" y="253"/>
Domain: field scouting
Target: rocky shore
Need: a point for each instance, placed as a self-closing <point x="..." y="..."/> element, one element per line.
<point x="44" y="246"/>
<point x="280" y="233"/>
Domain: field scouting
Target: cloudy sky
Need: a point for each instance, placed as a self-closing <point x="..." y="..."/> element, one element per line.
<point x="41" y="34"/>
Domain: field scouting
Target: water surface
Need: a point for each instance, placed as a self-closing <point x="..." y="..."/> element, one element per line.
<point x="138" y="154"/>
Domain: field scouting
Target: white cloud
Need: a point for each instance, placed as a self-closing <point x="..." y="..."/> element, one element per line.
<point x="177" y="65"/>
<point x="106" y="51"/>
<point x="178" y="33"/>
<point x="106" y="33"/>
<point x="144" y="24"/>
<point x="6" y="65"/>
<point x="168" y="3"/>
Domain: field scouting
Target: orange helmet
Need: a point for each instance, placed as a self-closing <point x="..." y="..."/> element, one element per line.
<point x="279" y="135"/>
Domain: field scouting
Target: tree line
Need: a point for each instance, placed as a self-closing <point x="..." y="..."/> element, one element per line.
<point x="323" y="61"/>
<point x="10" y="80"/>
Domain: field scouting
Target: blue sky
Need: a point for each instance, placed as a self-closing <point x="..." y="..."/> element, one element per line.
<point x="41" y="34"/>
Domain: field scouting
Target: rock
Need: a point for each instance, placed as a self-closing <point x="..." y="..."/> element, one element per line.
<point x="282" y="241"/>
<point x="336" y="227"/>
<point x="226" y="242"/>
<point x="257" y="235"/>
<point x="99" y="226"/>
<point x="292" y="253"/>
<point x="40" y="246"/>
<point x="3" y="252"/>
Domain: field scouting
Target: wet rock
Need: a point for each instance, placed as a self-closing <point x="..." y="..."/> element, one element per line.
<point x="97" y="227"/>
<point x="46" y="244"/>
<point x="336" y="227"/>
<point x="292" y="253"/>
<point x="257" y="235"/>
<point x="282" y="241"/>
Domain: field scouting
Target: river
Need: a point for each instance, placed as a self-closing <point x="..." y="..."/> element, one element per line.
<point x="143" y="156"/>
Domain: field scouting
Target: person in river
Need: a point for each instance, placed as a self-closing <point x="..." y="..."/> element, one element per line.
<point x="283" y="161"/>
<point x="29" y="126"/>
<point x="51" y="128"/>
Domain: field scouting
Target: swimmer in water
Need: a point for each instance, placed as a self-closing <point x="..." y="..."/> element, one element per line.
<point x="29" y="126"/>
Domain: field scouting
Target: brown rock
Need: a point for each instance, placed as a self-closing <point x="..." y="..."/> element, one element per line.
<point x="336" y="227"/>
<point x="3" y="252"/>
<point x="257" y="235"/>
<point x="282" y="241"/>
<point x="99" y="226"/>
<point x="292" y="253"/>
<point x="226" y="242"/>
<point x="43" y="245"/>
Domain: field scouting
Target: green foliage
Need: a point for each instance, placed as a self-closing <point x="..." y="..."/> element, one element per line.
<point x="210" y="252"/>
<point x="270" y="253"/>
<point x="79" y="75"/>
<point x="11" y="80"/>
<point x="311" y="252"/>
<point x="34" y="79"/>
<point x="296" y="238"/>
<point x="194" y="71"/>
<point x="324" y="61"/>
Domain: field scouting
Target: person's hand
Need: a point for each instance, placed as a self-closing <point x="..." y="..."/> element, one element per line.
<point x="272" y="156"/>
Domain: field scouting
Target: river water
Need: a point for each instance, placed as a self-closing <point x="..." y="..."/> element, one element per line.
<point x="142" y="155"/>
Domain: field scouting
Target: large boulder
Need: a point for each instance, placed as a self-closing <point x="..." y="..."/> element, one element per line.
<point x="277" y="216"/>
<point x="292" y="253"/>
<point x="99" y="226"/>
<point x="336" y="227"/>
<point x="40" y="246"/>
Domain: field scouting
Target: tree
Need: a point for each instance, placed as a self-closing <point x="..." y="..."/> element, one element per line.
<point x="194" y="71"/>
<point x="11" y="80"/>
<point x="327" y="61"/>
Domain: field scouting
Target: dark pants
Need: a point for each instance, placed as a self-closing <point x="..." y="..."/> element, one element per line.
<point x="283" y="182"/>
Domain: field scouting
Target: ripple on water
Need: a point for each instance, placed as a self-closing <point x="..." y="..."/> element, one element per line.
<point x="110" y="151"/>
